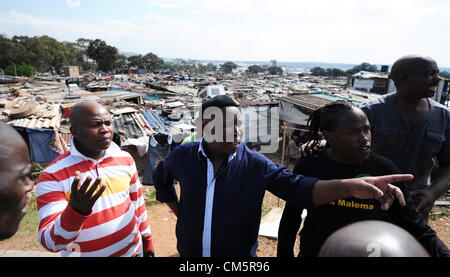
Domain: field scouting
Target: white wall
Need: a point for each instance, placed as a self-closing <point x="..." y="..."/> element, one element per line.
<point x="366" y="84"/>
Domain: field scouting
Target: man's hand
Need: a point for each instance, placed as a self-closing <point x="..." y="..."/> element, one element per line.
<point x="308" y="148"/>
<point x="379" y="188"/>
<point x="424" y="200"/>
<point x="81" y="199"/>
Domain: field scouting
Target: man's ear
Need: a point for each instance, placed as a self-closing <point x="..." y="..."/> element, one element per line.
<point x="73" y="131"/>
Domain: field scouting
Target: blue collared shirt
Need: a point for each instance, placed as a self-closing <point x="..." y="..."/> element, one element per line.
<point x="220" y="217"/>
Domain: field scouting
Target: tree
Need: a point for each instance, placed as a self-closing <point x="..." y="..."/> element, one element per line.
<point x="152" y="62"/>
<point x="22" y="69"/>
<point x="275" y="70"/>
<point x="445" y="74"/>
<point x="104" y="55"/>
<point x="228" y="67"/>
<point x="318" y="71"/>
<point x="335" y="72"/>
<point x="136" y="61"/>
<point x="122" y="61"/>
<point x="211" y="67"/>
<point x="254" y="69"/>
<point x="362" y="67"/>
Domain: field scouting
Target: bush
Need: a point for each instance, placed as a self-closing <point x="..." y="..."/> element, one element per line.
<point x="22" y="69"/>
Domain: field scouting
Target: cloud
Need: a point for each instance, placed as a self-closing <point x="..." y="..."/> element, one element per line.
<point x="73" y="3"/>
<point x="350" y="31"/>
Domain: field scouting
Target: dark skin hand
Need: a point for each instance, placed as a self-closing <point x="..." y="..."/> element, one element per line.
<point x="81" y="199"/>
<point x="425" y="199"/>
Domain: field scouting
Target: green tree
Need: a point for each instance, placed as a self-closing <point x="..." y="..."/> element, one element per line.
<point x="318" y="71"/>
<point x="22" y="69"/>
<point x="228" y="67"/>
<point x="335" y="72"/>
<point x="136" y="61"/>
<point x="11" y="52"/>
<point x="152" y="62"/>
<point x="211" y="67"/>
<point x="122" y="61"/>
<point x="275" y="70"/>
<point x="362" y="67"/>
<point x="104" y="55"/>
<point x="445" y="74"/>
<point x="254" y="69"/>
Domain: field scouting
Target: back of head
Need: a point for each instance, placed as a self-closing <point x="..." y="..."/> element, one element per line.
<point x="372" y="239"/>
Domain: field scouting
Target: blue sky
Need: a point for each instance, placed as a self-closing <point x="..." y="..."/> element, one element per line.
<point x="347" y="31"/>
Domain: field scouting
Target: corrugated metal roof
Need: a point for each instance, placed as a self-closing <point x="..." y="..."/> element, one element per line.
<point x="127" y="127"/>
<point x="155" y="122"/>
<point x="309" y="102"/>
<point x="47" y="116"/>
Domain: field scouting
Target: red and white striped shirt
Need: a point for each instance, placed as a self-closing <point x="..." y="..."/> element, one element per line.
<point x="118" y="224"/>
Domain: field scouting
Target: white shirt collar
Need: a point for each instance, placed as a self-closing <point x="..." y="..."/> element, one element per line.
<point x="113" y="149"/>
<point x="201" y="150"/>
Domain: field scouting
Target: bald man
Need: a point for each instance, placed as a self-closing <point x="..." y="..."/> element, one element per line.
<point x="90" y="199"/>
<point x="414" y="131"/>
<point x="15" y="183"/>
<point x="372" y="239"/>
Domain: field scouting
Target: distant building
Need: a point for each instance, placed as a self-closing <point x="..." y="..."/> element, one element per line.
<point x="379" y="82"/>
<point x="70" y="71"/>
<point x="376" y="82"/>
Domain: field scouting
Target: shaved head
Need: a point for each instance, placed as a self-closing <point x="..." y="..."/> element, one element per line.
<point x="92" y="128"/>
<point x="11" y="140"/>
<point x="407" y="65"/>
<point x="80" y="110"/>
<point x="372" y="239"/>
<point x="15" y="183"/>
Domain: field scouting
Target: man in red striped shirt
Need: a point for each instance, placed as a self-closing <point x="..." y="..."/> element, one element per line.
<point x="103" y="218"/>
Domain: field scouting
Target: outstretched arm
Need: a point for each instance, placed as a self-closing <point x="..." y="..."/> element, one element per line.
<point x="362" y="188"/>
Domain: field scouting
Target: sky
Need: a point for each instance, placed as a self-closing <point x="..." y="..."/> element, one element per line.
<point x="344" y="31"/>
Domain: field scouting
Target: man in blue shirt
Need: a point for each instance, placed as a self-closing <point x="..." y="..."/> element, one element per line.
<point x="223" y="182"/>
<point x="412" y="130"/>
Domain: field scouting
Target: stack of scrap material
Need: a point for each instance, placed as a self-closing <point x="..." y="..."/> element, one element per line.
<point x="47" y="116"/>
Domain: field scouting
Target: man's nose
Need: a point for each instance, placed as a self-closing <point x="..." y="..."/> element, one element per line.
<point x="29" y="185"/>
<point x="105" y="128"/>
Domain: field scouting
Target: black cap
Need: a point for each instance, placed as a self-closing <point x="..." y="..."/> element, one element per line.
<point x="219" y="101"/>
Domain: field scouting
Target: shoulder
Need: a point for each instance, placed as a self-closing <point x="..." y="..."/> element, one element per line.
<point x="189" y="147"/>
<point x="377" y="102"/>
<point x="439" y="108"/>
<point x="183" y="152"/>
<point x="61" y="162"/>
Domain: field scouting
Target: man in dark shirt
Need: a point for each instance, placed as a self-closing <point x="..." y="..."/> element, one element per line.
<point x="324" y="220"/>
<point x="347" y="132"/>
<point x="222" y="186"/>
<point x="410" y="129"/>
